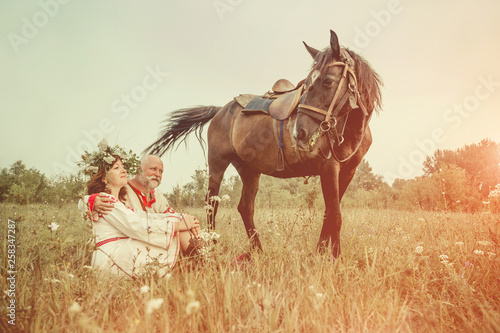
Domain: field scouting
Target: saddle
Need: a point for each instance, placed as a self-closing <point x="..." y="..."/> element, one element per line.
<point x="282" y="86"/>
<point x="279" y="102"/>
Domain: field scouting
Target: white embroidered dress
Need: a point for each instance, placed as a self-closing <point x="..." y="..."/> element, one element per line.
<point x="128" y="240"/>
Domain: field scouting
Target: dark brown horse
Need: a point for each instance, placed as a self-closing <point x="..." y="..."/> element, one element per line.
<point x="326" y="134"/>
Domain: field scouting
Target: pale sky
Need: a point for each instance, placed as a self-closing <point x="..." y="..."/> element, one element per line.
<point x="75" y="71"/>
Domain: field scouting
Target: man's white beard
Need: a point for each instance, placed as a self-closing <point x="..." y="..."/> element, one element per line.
<point x="150" y="182"/>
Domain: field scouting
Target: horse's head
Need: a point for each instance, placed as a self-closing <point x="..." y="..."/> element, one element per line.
<point x="331" y="93"/>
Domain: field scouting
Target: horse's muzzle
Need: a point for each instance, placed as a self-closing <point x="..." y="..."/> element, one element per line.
<point x="301" y="139"/>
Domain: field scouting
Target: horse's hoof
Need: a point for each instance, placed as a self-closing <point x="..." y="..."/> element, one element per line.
<point x="242" y="260"/>
<point x="244" y="257"/>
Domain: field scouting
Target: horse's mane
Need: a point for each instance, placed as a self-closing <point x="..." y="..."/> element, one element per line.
<point x="369" y="82"/>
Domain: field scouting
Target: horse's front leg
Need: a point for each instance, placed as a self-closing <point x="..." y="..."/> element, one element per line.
<point x="332" y="221"/>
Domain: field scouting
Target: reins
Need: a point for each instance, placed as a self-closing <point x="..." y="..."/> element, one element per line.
<point x="330" y="118"/>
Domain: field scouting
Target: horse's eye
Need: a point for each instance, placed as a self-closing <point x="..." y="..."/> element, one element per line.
<point x="328" y="81"/>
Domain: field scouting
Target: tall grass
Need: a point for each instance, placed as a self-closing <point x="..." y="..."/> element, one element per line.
<point x="399" y="272"/>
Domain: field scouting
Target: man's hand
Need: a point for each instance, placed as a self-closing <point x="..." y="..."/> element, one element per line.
<point x="103" y="204"/>
<point x="191" y="223"/>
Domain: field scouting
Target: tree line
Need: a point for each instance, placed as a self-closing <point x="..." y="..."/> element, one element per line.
<point x="466" y="179"/>
<point x="21" y="185"/>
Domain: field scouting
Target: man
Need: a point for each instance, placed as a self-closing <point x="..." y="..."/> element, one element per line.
<point x="141" y="192"/>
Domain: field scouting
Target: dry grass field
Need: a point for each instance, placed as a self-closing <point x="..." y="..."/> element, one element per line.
<point x="399" y="272"/>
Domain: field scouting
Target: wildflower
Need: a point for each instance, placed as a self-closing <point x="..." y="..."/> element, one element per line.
<point x="443" y="257"/>
<point x="102" y="145"/>
<point x="109" y="159"/>
<point x="447" y="264"/>
<point x="192" y="307"/>
<point x="266" y="303"/>
<point x="419" y="249"/>
<point x="210" y="239"/>
<point x="496" y="192"/>
<point x="459" y="243"/>
<point x="485" y="243"/>
<point x="215" y="198"/>
<point x="153" y="304"/>
<point x="318" y="300"/>
<point x="190" y="295"/>
<point x="209" y="235"/>
<point x="208" y="207"/>
<point x="53" y="226"/>
<point x="479" y="252"/>
<point x="123" y="155"/>
<point x="144" y="289"/>
<point x="225" y="197"/>
<point x="75" y="308"/>
<point x="444" y="260"/>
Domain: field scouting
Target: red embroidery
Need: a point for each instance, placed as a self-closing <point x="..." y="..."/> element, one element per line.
<point x="144" y="198"/>
<point x="109" y="240"/>
<point x="91" y="202"/>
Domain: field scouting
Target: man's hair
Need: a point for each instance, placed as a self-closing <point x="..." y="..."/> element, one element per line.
<point x="145" y="159"/>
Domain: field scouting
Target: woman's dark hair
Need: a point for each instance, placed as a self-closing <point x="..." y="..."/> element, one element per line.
<point x="97" y="185"/>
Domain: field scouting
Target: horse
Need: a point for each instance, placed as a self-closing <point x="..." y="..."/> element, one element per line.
<point x="325" y="134"/>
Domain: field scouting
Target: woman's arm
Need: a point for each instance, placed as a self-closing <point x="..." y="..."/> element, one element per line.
<point x="155" y="229"/>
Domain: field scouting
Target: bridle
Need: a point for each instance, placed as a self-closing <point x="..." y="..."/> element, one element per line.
<point x="329" y="119"/>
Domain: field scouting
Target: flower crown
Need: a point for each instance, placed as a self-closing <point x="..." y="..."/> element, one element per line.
<point x="104" y="158"/>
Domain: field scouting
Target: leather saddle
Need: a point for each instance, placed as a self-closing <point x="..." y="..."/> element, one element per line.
<point x="279" y="102"/>
<point x="282" y="86"/>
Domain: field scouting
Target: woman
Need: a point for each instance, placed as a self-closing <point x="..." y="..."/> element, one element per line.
<point x="127" y="241"/>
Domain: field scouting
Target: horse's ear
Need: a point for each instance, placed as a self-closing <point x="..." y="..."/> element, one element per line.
<point x="334" y="44"/>
<point x="312" y="51"/>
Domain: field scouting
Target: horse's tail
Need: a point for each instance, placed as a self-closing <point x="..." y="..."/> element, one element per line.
<point x="179" y="125"/>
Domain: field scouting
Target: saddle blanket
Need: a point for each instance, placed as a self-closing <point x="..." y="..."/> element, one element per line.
<point x="245" y="99"/>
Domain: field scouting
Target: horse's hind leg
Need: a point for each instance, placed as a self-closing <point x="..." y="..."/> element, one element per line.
<point x="250" y="179"/>
<point x="220" y="153"/>
<point x="216" y="168"/>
